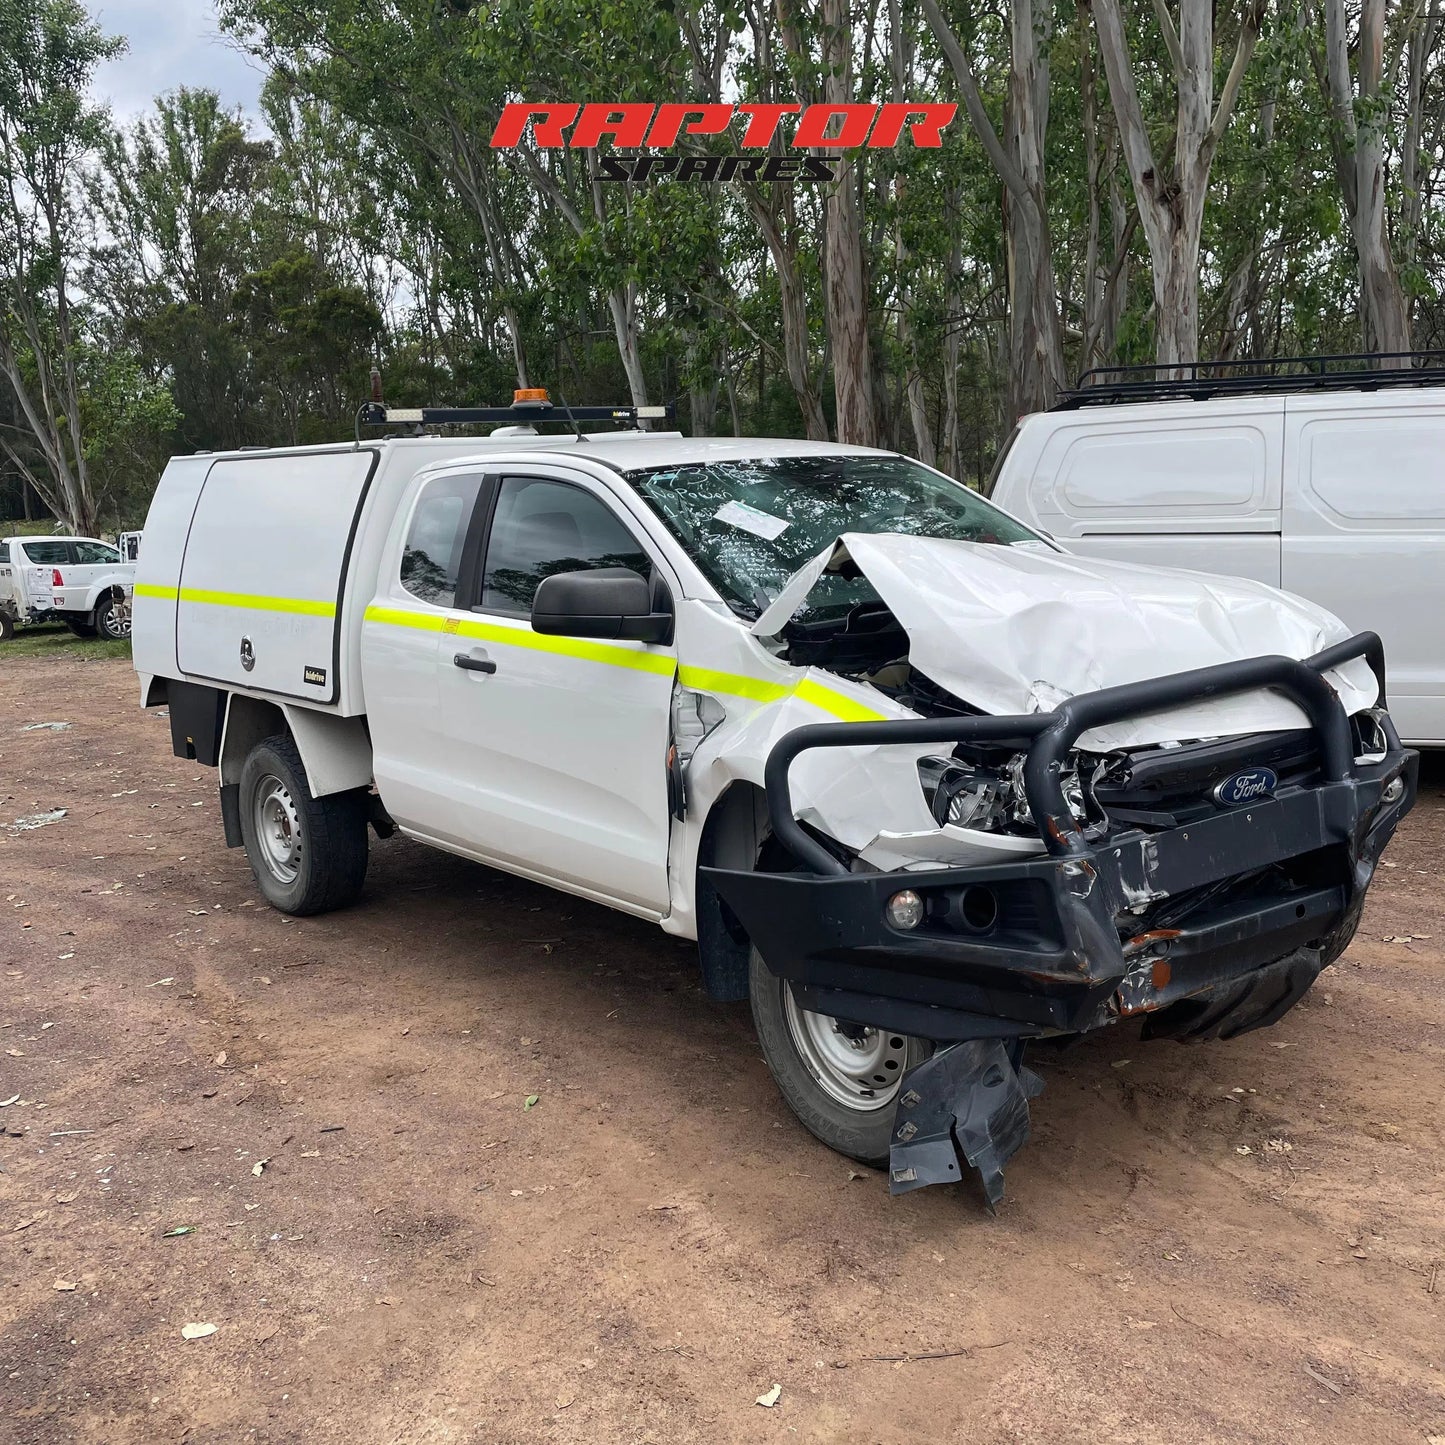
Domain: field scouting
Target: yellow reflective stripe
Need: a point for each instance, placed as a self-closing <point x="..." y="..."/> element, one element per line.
<point x="843" y="707"/>
<point x="250" y="600"/>
<point x="401" y="617"/>
<point x="474" y="628"/>
<point x="755" y="689"/>
<point x="735" y="684"/>
<point x="253" y="602"/>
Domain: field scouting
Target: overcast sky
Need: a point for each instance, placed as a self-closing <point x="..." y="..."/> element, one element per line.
<point x="172" y="42"/>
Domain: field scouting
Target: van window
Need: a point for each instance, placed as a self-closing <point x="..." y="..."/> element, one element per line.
<point x="88" y="553"/>
<point x="433" y="551"/>
<point x="47" y="554"/>
<point x="1383" y="469"/>
<point x="544" y="528"/>
<point x="1117" y="471"/>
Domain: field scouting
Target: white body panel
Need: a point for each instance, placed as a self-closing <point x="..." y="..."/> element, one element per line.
<point x="1347" y="511"/>
<point x="1110" y="481"/>
<point x="260" y="611"/>
<point x="1017" y="630"/>
<point x="1364" y="532"/>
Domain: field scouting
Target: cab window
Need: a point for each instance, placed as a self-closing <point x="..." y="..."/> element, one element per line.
<point x="543" y="528"/>
<point x="46" y="554"/>
<point x="433" y="552"/>
<point x="91" y="552"/>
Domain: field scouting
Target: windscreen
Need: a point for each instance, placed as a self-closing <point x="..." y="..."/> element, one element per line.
<point x="750" y="524"/>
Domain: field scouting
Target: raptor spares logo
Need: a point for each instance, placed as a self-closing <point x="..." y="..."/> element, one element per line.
<point x="659" y="129"/>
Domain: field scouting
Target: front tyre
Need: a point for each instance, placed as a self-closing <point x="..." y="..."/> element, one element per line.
<point x="308" y="854"/>
<point x="840" y="1079"/>
<point x="112" y="619"/>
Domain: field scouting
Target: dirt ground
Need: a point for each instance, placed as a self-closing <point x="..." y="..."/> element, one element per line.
<point x="1234" y="1242"/>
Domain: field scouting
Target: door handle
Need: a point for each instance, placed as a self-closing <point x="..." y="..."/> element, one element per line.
<point x="474" y="664"/>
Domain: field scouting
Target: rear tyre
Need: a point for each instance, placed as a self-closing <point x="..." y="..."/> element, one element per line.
<point x="81" y="626"/>
<point x="308" y="854"/>
<point x="112" y="619"/>
<point x="839" y="1079"/>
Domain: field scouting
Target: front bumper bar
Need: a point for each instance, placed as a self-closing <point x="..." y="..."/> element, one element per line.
<point x="1050" y="957"/>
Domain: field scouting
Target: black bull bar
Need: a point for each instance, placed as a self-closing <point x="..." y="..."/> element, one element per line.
<point x="1051" y="957"/>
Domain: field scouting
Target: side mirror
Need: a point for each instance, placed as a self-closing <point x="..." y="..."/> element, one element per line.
<point x="609" y="602"/>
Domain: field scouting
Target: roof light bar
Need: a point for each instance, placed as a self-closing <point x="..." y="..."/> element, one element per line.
<point x="376" y="414"/>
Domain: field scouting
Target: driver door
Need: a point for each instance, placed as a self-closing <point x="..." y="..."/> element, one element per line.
<point x="559" y="743"/>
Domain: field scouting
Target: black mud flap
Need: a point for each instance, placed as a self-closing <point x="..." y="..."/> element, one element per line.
<point x="967" y="1098"/>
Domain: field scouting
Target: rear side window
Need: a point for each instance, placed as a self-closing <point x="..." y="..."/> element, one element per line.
<point x="90" y="552"/>
<point x="47" y="554"/>
<point x="542" y="528"/>
<point x="433" y="552"/>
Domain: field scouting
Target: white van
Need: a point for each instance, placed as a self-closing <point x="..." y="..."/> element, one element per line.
<point x="1333" y="489"/>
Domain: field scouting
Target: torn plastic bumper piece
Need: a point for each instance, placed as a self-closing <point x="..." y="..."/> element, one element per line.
<point x="968" y="1098"/>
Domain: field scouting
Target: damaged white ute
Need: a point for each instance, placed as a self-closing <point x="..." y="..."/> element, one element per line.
<point x="924" y="787"/>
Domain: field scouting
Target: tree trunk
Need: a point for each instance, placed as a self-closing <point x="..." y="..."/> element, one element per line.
<point x="622" y="303"/>
<point x="901" y="48"/>
<point x="845" y="288"/>
<point x="780" y="231"/>
<point x="1171" y="207"/>
<point x="1361" y="119"/>
<point x="1035" y="343"/>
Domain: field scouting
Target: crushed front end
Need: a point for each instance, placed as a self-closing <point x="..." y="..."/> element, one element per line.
<point x="1203" y="889"/>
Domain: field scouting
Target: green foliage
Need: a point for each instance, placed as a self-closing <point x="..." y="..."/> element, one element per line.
<point x="232" y="284"/>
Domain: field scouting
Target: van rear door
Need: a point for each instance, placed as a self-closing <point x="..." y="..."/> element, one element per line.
<point x="1179" y="484"/>
<point x="262" y="576"/>
<point x="1365" y="532"/>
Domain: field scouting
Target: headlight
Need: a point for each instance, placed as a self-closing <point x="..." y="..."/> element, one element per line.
<point x="990" y="799"/>
<point x="964" y="795"/>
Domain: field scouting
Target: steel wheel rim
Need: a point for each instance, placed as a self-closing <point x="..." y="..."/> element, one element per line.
<point x="859" y="1068"/>
<point x="278" y="829"/>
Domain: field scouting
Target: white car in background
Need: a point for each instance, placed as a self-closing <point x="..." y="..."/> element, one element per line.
<point x="80" y="581"/>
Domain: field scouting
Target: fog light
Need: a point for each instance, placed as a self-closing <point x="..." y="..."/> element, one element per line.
<point x="904" y="910"/>
<point x="1394" y="791"/>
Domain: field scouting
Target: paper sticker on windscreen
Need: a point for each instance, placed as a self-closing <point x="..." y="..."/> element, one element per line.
<point x="751" y="519"/>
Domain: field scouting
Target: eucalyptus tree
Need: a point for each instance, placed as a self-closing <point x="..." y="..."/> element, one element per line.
<point x="1360" y="101"/>
<point x="49" y="129"/>
<point x="1036" y="351"/>
<point x="1171" y="197"/>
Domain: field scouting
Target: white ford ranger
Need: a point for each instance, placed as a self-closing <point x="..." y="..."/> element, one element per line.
<point x="80" y="581"/>
<point x="921" y="785"/>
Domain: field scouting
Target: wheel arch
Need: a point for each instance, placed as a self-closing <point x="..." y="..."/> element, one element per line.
<point x="733" y="835"/>
<point x="335" y="751"/>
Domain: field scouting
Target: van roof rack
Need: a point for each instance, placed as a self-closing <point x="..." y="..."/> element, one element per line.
<point x="1200" y="380"/>
<point x="375" y="413"/>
